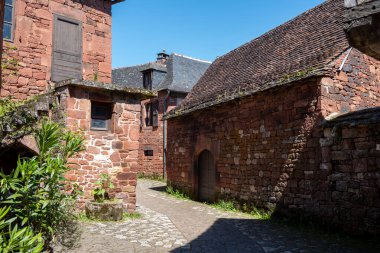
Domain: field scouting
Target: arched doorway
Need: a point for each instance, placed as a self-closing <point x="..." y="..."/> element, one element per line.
<point x="207" y="177"/>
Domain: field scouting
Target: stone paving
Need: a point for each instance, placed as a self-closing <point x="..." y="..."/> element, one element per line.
<point x="173" y="225"/>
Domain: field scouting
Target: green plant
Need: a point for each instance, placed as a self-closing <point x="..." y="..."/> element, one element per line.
<point x="100" y="192"/>
<point x="225" y="206"/>
<point x="126" y="216"/>
<point x="176" y="193"/>
<point x="17" y="239"/>
<point x="154" y="177"/>
<point x="35" y="190"/>
<point x="96" y="74"/>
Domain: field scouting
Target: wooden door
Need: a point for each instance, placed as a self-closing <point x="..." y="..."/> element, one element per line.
<point x="207" y="175"/>
<point x="67" y="49"/>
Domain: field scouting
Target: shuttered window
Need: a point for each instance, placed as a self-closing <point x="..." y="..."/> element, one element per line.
<point x="67" y="49"/>
<point x="8" y="20"/>
<point x="151" y="112"/>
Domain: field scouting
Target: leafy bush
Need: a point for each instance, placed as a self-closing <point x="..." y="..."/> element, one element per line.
<point x="17" y="239"/>
<point x="36" y="190"/>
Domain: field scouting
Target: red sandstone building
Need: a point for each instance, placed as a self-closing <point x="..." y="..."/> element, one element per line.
<point x="171" y="77"/>
<point x="63" y="49"/>
<point x="261" y="127"/>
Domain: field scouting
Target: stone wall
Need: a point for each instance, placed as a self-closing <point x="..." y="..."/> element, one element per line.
<point x="113" y="152"/>
<point x="152" y="138"/>
<point x="265" y="147"/>
<point x="351" y="150"/>
<point x="31" y="46"/>
<point x="270" y="152"/>
<point x="355" y="87"/>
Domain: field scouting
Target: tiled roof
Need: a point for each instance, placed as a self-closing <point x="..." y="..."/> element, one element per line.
<point x="300" y="48"/>
<point x="183" y="73"/>
<point x="133" y="77"/>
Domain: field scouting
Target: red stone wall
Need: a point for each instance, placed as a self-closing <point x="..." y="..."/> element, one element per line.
<point x="354" y="88"/>
<point x="32" y="43"/>
<point x="113" y="152"/>
<point x="269" y="148"/>
<point x="352" y="154"/>
<point x="265" y="147"/>
<point x="153" y="137"/>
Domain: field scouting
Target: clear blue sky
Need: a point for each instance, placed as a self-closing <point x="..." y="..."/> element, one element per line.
<point x="202" y="29"/>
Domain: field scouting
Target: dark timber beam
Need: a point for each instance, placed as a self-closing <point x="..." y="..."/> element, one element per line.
<point x="116" y="1"/>
<point x="362" y="25"/>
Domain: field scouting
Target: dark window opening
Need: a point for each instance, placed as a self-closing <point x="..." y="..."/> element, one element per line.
<point x="151" y="112"/>
<point x="101" y="114"/>
<point x="8" y="20"/>
<point x="148" y="152"/>
<point x="147" y="80"/>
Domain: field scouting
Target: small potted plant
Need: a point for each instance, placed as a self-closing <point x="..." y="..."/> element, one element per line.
<point x="103" y="207"/>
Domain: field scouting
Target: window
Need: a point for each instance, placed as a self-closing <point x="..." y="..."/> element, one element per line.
<point x="151" y="114"/>
<point x="179" y="101"/>
<point x="148" y="152"/>
<point x="147" y="79"/>
<point x="8" y="20"/>
<point x="101" y="114"/>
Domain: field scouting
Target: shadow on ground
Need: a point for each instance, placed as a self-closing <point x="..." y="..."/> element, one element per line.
<point x="248" y="235"/>
<point x="158" y="188"/>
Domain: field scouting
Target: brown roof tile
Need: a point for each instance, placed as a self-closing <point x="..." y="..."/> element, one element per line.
<point x="298" y="49"/>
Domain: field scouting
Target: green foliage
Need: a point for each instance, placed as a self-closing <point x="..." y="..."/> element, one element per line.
<point x="126" y="216"/>
<point x="176" y="193"/>
<point x="225" y="206"/>
<point x="17" y="239"/>
<point x="153" y="177"/>
<point x="16" y="119"/>
<point x="96" y="74"/>
<point x="100" y="192"/>
<point x="35" y="190"/>
<point x="232" y="206"/>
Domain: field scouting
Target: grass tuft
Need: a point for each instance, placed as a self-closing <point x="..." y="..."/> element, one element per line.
<point x="176" y="193"/>
<point x="126" y="216"/>
<point x="153" y="177"/>
<point x="231" y="206"/>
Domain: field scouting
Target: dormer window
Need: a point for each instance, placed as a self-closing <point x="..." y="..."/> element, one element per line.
<point x="147" y="79"/>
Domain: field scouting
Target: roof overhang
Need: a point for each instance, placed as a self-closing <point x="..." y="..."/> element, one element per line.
<point x="116" y="1"/>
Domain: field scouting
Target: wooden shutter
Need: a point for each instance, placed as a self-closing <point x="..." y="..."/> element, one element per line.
<point x="67" y="49"/>
<point x="155" y="114"/>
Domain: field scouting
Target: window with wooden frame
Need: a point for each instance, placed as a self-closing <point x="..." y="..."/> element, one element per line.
<point x="147" y="79"/>
<point x="8" y="20"/>
<point x="151" y="114"/>
<point x="101" y="115"/>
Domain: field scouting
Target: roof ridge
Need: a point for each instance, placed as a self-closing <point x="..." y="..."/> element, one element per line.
<point x="192" y="58"/>
<point x="140" y="65"/>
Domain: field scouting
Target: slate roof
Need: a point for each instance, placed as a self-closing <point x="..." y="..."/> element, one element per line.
<point x="300" y="48"/>
<point x="105" y="87"/>
<point x="132" y="76"/>
<point x="183" y="73"/>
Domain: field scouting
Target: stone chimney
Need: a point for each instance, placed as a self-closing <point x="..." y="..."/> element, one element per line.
<point x="162" y="57"/>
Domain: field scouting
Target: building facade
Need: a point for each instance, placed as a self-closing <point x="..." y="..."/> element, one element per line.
<point x="259" y="127"/>
<point x="61" y="51"/>
<point x="171" y="77"/>
<point x="52" y="40"/>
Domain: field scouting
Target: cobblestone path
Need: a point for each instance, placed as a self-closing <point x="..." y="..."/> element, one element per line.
<point x="172" y="225"/>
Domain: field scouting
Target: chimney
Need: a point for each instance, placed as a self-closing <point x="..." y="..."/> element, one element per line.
<point x="162" y="57"/>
